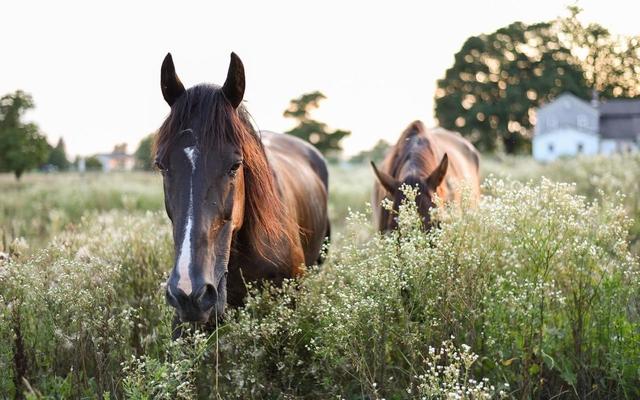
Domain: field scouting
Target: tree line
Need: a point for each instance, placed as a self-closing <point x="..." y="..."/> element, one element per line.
<point x="23" y="147"/>
<point x="326" y="140"/>
<point x="498" y="80"/>
<point x="489" y="94"/>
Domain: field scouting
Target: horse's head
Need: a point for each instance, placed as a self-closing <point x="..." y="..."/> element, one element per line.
<point x="200" y="151"/>
<point x="426" y="186"/>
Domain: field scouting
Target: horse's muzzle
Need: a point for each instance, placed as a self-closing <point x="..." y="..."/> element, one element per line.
<point x="195" y="307"/>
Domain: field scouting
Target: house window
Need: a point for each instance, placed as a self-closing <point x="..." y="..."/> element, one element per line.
<point x="580" y="147"/>
<point x="583" y="121"/>
<point x="550" y="147"/>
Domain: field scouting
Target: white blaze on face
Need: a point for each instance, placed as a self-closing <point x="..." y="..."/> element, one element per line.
<point x="184" y="258"/>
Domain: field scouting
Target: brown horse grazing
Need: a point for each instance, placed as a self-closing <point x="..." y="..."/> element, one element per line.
<point x="434" y="161"/>
<point x="244" y="205"/>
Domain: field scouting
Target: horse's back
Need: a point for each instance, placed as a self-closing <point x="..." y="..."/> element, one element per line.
<point x="291" y="149"/>
<point x="464" y="160"/>
<point x="302" y="176"/>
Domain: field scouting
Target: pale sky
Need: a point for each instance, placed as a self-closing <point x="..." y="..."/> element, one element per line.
<point x="93" y="68"/>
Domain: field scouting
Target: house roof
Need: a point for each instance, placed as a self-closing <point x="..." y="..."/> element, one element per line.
<point x="567" y="100"/>
<point x="617" y="119"/>
<point x="620" y="107"/>
<point x="567" y="111"/>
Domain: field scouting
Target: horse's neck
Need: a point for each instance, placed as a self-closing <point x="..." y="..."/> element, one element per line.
<point x="245" y="266"/>
<point x="278" y="259"/>
<point x="256" y="265"/>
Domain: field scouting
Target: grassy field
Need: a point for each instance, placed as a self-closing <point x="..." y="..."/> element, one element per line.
<point x="533" y="294"/>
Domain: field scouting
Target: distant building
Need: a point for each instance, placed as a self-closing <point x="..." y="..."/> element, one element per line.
<point x="619" y="126"/>
<point x="117" y="160"/>
<point x="569" y="126"/>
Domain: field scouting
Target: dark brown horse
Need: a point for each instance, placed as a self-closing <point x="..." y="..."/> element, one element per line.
<point x="435" y="161"/>
<point x="244" y="205"/>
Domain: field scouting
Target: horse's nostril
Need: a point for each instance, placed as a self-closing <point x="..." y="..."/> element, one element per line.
<point x="171" y="299"/>
<point x="208" y="297"/>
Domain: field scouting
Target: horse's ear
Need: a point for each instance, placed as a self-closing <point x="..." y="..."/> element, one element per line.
<point x="437" y="176"/>
<point x="233" y="87"/>
<point x="171" y="86"/>
<point x="388" y="182"/>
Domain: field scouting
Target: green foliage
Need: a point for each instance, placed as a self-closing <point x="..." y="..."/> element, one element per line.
<point x="93" y="164"/>
<point x="546" y="261"/>
<point x="171" y="377"/>
<point x="39" y="206"/>
<point x="534" y="280"/>
<point x="611" y="63"/>
<point x="350" y="191"/>
<point x="58" y="156"/>
<point x="498" y="80"/>
<point x="22" y="147"/>
<point x="600" y="178"/>
<point x="533" y="294"/>
<point x="143" y="153"/>
<point x="375" y="154"/>
<point x="315" y="132"/>
<point x="84" y="305"/>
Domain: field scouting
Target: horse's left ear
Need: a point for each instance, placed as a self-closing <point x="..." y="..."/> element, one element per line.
<point x="170" y="84"/>
<point x="437" y="176"/>
<point x="233" y="87"/>
<point x="387" y="181"/>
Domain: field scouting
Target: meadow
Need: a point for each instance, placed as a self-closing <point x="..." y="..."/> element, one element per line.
<point x="533" y="294"/>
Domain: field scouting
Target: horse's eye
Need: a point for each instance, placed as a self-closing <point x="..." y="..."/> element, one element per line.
<point x="234" y="168"/>
<point x="160" y="166"/>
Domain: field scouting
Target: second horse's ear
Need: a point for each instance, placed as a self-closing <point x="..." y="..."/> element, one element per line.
<point x="437" y="176"/>
<point x="388" y="182"/>
<point x="233" y="87"/>
<point x="170" y="84"/>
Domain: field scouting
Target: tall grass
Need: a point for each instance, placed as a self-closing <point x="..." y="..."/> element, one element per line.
<point x="74" y="311"/>
<point x="42" y="205"/>
<point x="597" y="177"/>
<point x="533" y="294"/>
<point x="536" y="281"/>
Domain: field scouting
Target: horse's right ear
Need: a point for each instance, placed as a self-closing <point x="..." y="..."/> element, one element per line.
<point x="171" y="86"/>
<point x="233" y="87"/>
<point x="390" y="183"/>
<point x="437" y="176"/>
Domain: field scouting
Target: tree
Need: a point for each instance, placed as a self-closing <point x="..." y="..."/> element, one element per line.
<point x="22" y="147"/>
<point x="315" y="132"/>
<point x="376" y="153"/>
<point x="143" y="153"/>
<point x="58" y="156"/>
<point x="611" y="63"/>
<point x="120" y="148"/>
<point x="498" y="80"/>
<point x="93" y="164"/>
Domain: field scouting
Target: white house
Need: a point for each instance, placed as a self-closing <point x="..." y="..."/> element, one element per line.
<point x="569" y="126"/>
<point x="565" y="127"/>
<point x="117" y="160"/>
